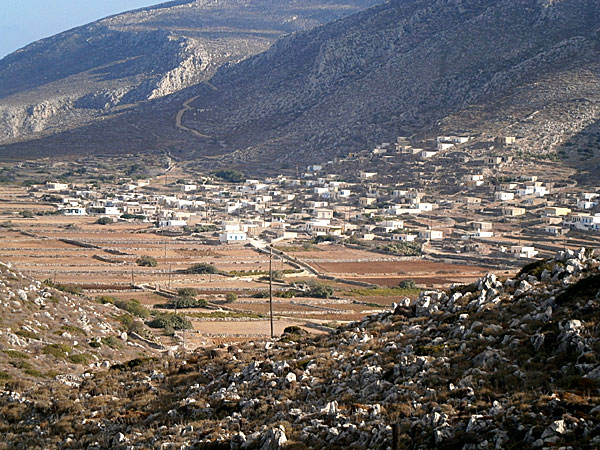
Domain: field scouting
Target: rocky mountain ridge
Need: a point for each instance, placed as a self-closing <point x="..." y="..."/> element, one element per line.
<point x="99" y="69"/>
<point x="496" y="364"/>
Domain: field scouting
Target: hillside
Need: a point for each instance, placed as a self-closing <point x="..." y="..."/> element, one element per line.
<point x="47" y="332"/>
<point x="483" y="67"/>
<point x="402" y="67"/>
<point x="497" y="364"/>
<point x="100" y="69"/>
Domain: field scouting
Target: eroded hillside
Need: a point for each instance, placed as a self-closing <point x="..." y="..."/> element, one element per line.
<point x="497" y="364"/>
<point x="96" y="71"/>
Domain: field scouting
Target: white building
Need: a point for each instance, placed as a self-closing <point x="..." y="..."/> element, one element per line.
<point x="432" y="235"/>
<point x="503" y="196"/>
<point x="229" y="237"/>
<point x="523" y="251"/>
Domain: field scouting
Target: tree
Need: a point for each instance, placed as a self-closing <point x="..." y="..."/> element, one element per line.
<point x="146" y="261"/>
<point x="187" y="292"/>
<point x="233" y="176"/>
<point x="231" y="297"/>
<point x="407" y="284"/>
<point x="320" y="291"/>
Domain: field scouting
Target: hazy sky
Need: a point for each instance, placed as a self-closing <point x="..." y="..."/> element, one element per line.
<point x="25" y="21"/>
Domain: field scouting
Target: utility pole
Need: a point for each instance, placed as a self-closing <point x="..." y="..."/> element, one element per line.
<point x="170" y="270"/>
<point x="132" y="281"/>
<point x="271" y="288"/>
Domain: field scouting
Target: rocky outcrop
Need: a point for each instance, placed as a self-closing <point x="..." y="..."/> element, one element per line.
<point x="500" y="363"/>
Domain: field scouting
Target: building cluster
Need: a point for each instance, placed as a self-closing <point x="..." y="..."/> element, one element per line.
<point x="409" y="193"/>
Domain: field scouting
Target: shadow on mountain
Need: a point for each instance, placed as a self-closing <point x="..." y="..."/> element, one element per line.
<point x="582" y="152"/>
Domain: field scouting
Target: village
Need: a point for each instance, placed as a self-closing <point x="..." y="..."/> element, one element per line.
<point x="428" y="213"/>
<point x="494" y="209"/>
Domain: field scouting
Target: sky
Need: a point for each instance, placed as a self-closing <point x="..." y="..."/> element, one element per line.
<point x="25" y="21"/>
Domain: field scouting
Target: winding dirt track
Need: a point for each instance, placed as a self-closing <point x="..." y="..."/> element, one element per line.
<point x="186" y="107"/>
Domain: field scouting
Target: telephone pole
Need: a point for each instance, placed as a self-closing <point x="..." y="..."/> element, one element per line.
<point x="271" y="288"/>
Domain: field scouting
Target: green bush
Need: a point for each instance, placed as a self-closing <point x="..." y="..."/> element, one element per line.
<point x="104" y="220"/>
<point x="187" y="292"/>
<point x="73" y="330"/>
<point x="407" y="284"/>
<point x="233" y="176"/>
<point x="27" y="334"/>
<point x="183" y="302"/>
<point x="201" y="268"/>
<point x="134" y="307"/>
<point x="174" y="321"/>
<point x="146" y="261"/>
<point x="59" y="351"/>
<point x="68" y="288"/>
<point x="79" y="358"/>
<point x="127" y="216"/>
<point x="320" y="291"/>
<point x="15" y="354"/>
<point x="104" y="299"/>
<point x="112" y="342"/>
<point x="231" y="297"/>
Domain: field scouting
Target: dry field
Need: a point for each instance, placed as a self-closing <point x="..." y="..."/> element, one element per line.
<point x="101" y="259"/>
<point x="385" y="270"/>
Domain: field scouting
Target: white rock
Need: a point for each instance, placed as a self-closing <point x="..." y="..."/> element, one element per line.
<point x="290" y="377"/>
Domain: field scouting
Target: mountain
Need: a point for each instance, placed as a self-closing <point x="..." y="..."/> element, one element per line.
<point x="500" y="363"/>
<point x="103" y="68"/>
<point x="529" y="68"/>
<point x="405" y="66"/>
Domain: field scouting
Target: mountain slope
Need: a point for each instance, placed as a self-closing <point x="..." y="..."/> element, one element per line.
<point x="496" y="364"/>
<point x="398" y="68"/>
<point x="98" y="69"/>
<point x="529" y="68"/>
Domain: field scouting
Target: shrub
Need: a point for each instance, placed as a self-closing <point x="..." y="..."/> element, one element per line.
<point x="320" y="239"/>
<point x="407" y="284"/>
<point x="175" y="321"/>
<point x="183" y="302"/>
<point x="320" y="291"/>
<point x="104" y="220"/>
<point x="27" y="334"/>
<point x="187" y="292"/>
<point x="231" y="297"/>
<point x="146" y="261"/>
<point x="79" y="358"/>
<point x="128" y="216"/>
<point x="104" y="299"/>
<point x="187" y="302"/>
<point x="15" y="354"/>
<point x="233" y="176"/>
<point x="201" y="268"/>
<point x="134" y="307"/>
<point x="68" y="288"/>
<point x="112" y="342"/>
<point x="59" y="351"/>
<point x="73" y="330"/>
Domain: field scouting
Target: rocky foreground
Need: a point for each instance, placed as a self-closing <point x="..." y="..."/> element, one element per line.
<point x="496" y="364"/>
